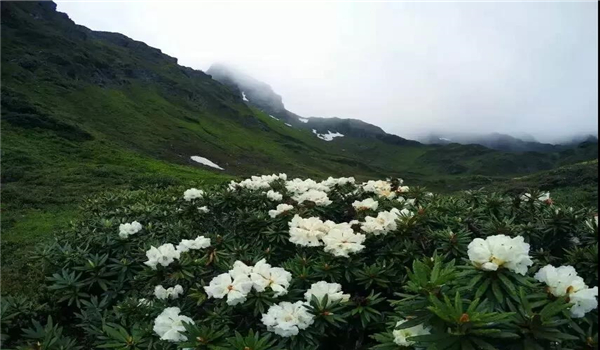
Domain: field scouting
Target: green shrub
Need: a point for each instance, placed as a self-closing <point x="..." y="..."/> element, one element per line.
<point x="403" y="268"/>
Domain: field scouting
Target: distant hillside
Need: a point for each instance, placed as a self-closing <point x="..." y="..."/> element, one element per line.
<point x="503" y="142"/>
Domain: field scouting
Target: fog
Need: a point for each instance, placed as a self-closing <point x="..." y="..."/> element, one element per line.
<point x="411" y="68"/>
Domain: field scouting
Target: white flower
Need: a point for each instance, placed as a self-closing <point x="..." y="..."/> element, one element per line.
<point x="276" y="278"/>
<point x="203" y="209"/>
<point x="383" y="223"/>
<point x="258" y="182"/>
<point x="318" y="197"/>
<point x="406" y="201"/>
<point x="274" y="196"/>
<point x="322" y="288"/>
<point x="331" y="182"/>
<point x="281" y="208"/>
<point x="563" y="281"/>
<point x="381" y="188"/>
<point x="308" y="232"/>
<point x="403" y="189"/>
<point x="367" y="204"/>
<point x="401" y="335"/>
<point x="126" y="230"/>
<point x="341" y="240"/>
<point x="236" y="289"/>
<point x="163" y="255"/>
<point x="192" y="193"/>
<point x="287" y="319"/>
<point x="299" y="186"/>
<point x="240" y="269"/>
<point x="200" y="242"/>
<point x="172" y="292"/>
<point x="169" y="323"/>
<point x="500" y="251"/>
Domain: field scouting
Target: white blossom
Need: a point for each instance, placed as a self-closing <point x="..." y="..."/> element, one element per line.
<point x="383" y="223"/>
<point x="381" y="188"/>
<point x="287" y="319"/>
<point x="200" y="242"/>
<point x="281" y="208"/>
<point x="128" y="229"/>
<point x="172" y="292"/>
<point x="341" y="240"/>
<point x="235" y="289"/>
<point x="203" y="209"/>
<point x="169" y="324"/>
<point x="299" y="186"/>
<point x="163" y="255"/>
<point x="192" y="193"/>
<point x="320" y="198"/>
<point x="341" y="181"/>
<point x="332" y="290"/>
<point x="367" y="204"/>
<point x="240" y="269"/>
<point x="308" y="232"/>
<point x="500" y="251"/>
<point x="274" y="196"/>
<point x="275" y="278"/>
<point x="401" y="335"/>
<point x="564" y="281"/>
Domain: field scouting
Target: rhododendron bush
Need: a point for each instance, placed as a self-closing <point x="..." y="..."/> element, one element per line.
<point x="277" y="263"/>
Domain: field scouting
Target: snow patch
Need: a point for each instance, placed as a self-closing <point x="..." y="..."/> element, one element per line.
<point x="273" y="117"/>
<point x="329" y="136"/>
<point x="304" y="120"/>
<point x="290" y="125"/>
<point x="244" y="97"/>
<point x="445" y="139"/>
<point x="206" y="162"/>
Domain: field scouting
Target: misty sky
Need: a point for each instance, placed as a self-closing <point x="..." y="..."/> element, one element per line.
<point x="408" y="67"/>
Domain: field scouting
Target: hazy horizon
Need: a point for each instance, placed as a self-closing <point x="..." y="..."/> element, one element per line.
<point x="410" y="68"/>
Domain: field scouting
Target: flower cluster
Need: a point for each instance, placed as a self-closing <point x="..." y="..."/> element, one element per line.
<point x="500" y="251"/>
<point x="200" y="242"/>
<point x="241" y="279"/>
<point x="287" y="319"/>
<point x="564" y="281"/>
<point x="318" y="197"/>
<point x="308" y="232"/>
<point x="274" y="196"/>
<point x="167" y="253"/>
<point x="169" y="325"/>
<point x="257" y="182"/>
<point x="320" y="289"/>
<point x="172" y="292"/>
<point x="367" y="204"/>
<point x="192" y="193"/>
<point x="281" y="208"/>
<point x="128" y="229"/>
<point x="384" y="222"/>
<point x="341" y="240"/>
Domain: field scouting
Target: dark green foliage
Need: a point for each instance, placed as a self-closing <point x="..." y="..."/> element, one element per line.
<point x="418" y="272"/>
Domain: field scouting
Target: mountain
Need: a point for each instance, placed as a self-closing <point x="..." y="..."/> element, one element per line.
<point x="86" y="111"/>
<point x="506" y="143"/>
<point x="262" y="96"/>
<point x="497" y="141"/>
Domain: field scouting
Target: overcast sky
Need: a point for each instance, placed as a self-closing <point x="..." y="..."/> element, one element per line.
<point x="408" y="67"/>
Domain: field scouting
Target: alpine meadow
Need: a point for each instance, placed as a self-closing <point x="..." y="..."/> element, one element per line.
<point x="149" y="205"/>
